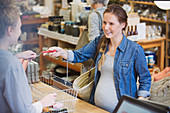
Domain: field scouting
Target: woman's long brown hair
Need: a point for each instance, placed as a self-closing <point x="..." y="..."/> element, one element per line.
<point x="120" y="13"/>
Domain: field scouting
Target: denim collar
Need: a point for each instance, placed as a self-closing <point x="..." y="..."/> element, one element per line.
<point x="123" y="44"/>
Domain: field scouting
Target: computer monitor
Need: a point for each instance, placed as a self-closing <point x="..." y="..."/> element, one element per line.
<point x="128" y="104"/>
<point x="157" y="104"/>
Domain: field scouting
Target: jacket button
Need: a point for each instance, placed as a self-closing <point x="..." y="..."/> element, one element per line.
<point x="113" y="69"/>
<point x="126" y="64"/>
<point x="115" y="59"/>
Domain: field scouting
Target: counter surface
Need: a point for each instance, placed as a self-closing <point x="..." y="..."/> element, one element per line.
<point x="39" y="90"/>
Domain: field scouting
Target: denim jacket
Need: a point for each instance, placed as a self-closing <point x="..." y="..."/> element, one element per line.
<point x="129" y="63"/>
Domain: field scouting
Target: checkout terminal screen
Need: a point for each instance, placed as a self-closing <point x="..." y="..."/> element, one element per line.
<point x="129" y="107"/>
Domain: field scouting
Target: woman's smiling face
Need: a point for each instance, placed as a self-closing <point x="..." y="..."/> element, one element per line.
<point x="111" y="25"/>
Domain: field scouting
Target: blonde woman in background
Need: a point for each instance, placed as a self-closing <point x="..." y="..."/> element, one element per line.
<point x="93" y="19"/>
<point x="94" y="25"/>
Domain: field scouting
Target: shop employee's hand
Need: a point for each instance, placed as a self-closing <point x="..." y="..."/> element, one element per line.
<point x="59" y="52"/>
<point x="27" y="55"/>
<point x="48" y="100"/>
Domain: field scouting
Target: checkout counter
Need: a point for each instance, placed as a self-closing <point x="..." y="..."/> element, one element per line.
<point x="66" y="97"/>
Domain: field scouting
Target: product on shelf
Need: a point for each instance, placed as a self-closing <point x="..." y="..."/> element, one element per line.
<point x="131" y="31"/>
<point x="128" y="31"/>
<point x="136" y="31"/>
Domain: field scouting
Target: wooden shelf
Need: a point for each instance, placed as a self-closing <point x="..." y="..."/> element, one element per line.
<point x="146" y="3"/>
<point x="60" y="62"/>
<point x="34" y="21"/>
<point x="58" y="36"/>
<point x="57" y="5"/>
<point x="31" y="41"/>
<point x="145" y="43"/>
<point x="152" y="20"/>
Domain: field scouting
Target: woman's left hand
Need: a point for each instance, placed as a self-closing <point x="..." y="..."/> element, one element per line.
<point x="141" y="97"/>
<point x="27" y="55"/>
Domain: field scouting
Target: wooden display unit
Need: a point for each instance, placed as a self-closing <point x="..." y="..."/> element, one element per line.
<point x="167" y="23"/>
<point x="160" y="43"/>
<point x="56" y="6"/>
<point x="29" y="23"/>
<point x="63" y="41"/>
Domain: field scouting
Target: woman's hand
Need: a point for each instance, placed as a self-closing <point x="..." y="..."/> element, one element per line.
<point x="59" y="52"/>
<point x="141" y="97"/>
<point x="27" y="55"/>
<point x="48" y="100"/>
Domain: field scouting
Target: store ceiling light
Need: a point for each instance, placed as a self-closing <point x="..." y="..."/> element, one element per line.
<point x="164" y="5"/>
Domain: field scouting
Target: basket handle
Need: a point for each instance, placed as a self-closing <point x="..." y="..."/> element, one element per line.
<point x="156" y="70"/>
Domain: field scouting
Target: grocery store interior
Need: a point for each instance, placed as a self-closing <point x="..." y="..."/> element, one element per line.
<point x="61" y="23"/>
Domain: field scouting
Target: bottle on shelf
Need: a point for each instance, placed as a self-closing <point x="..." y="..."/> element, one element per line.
<point x="50" y="23"/>
<point x="150" y="61"/>
<point x="62" y="27"/>
<point x="136" y="31"/>
<point x="128" y="31"/>
<point x="131" y="31"/>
